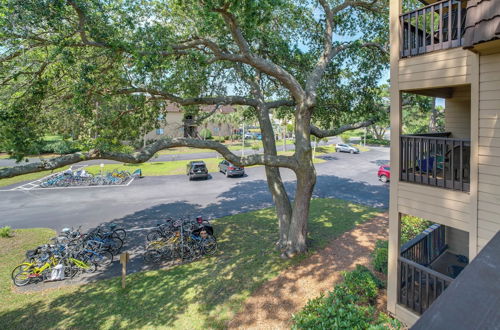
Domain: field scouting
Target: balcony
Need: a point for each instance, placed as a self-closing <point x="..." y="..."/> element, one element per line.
<point x="426" y="268"/>
<point x="434" y="159"/>
<point x="434" y="27"/>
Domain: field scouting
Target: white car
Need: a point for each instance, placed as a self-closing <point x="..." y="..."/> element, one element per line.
<point x="344" y="147"/>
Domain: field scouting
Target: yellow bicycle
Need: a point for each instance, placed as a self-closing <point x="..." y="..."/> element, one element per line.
<point x="28" y="272"/>
<point x="73" y="265"/>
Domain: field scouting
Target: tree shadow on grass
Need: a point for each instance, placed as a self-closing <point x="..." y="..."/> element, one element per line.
<point x="206" y="292"/>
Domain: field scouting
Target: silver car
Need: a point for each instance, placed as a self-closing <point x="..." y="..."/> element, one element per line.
<point x="230" y="169"/>
<point x="344" y="147"/>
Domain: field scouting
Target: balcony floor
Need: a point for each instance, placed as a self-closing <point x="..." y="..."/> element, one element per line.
<point x="444" y="264"/>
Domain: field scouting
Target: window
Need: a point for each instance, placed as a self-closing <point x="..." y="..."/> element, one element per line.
<point x="159" y="131"/>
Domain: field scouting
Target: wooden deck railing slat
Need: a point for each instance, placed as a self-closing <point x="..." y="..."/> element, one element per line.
<point x="414" y="35"/>
<point x="435" y="161"/>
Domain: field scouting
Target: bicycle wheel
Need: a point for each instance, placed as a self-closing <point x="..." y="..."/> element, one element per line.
<point x="152" y="256"/>
<point x="103" y="258"/>
<point x="154" y="236"/>
<point x="114" y="245"/>
<point x="22" y="278"/>
<point x="19" y="269"/>
<point x="121" y="233"/>
<point x="209" y="245"/>
<point x="187" y="252"/>
<point x="70" y="270"/>
<point x="92" y="268"/>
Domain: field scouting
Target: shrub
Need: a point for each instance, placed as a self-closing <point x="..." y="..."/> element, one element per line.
<point x="5" y="231"/>
<point x="362" y="283"/>
<point x="337" y="310"/>
<point x="206" y="134"/>
<point x="380" y="256"/>
<point x="345" y="137"/>
<point x="412" y="226"/>
<point x="346" y="307"/>
<point x="378" y="142"/>
<point x="59" y="147"/>
<point x="255" y="147"/>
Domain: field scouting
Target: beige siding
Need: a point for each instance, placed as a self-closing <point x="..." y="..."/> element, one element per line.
<point x="173" y="128"/>
<point x="447" y="207"/>
<point x="457" y="113"/>
<point x="458" y="241"/>
<point x="489" y="149"/>
<point x="438" y="69"/>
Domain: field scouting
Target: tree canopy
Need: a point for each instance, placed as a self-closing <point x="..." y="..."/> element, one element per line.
<point x="106" y="69"/>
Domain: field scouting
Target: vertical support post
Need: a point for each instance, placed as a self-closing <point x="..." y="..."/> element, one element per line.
<point x="124" y="257"/>
<point x="459" y="23"/>
<point x="474" y="143"/>
<point x="450" y="17"/>
<point x="441" y="14"/>
<point x="395" y="116"/>
<point x="432" y="27"/>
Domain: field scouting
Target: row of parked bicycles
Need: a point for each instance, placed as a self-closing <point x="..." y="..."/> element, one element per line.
<point x="185" y="238"/>
<point x="70" y="254"/>
<point x="83" y="178"/>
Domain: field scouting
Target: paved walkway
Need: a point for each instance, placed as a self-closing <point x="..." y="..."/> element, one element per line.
<point x="272" y="305"/>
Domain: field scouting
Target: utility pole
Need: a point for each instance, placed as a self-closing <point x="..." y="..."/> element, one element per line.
<point x="243" y="141"/>
<point x="284" y="138"/>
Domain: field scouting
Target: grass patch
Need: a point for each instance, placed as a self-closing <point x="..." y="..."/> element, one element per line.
<point x="29" y="177"/>
<point x="174" y="167"/>
<point x="331" y="149"/>
<point x="5" y="232"/>
<point x="235" y="146"/>
<point x="202" y="294"/>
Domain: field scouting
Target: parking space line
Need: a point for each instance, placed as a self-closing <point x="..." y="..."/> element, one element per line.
<point x="35" y="185"/>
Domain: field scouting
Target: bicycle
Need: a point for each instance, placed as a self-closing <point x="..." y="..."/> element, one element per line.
<point x="28" y="272"/>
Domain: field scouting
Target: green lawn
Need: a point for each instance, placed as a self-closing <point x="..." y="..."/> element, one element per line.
<point x="148" y="169"/>
<point x="29" y="177"/>
<point x="202" y="294"/>
<point x="174" y="167"/>
<point x="231" y="145"/>
<point x="331" y="149"/>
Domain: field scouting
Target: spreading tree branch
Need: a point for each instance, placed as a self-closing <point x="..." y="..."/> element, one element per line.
<point x="322" y="133"/>
<point x="147" y="153"/>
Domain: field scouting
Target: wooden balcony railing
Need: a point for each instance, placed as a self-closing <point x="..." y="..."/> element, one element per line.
<point x="419" y="286"/>
<point x="427" y="246"/>
<point x="434" y="27"/>
<point x="434" y="160"/>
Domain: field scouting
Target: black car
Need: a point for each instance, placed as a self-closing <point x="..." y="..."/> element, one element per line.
<point x="230" y="169"/>
<point x="196" y="169"/>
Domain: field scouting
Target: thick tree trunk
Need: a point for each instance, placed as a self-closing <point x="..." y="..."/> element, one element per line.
<point x="297" y="234"/>
<point x="306" y="179"/>
<point x="274" y="181"/>
<point x="282" y="203"/>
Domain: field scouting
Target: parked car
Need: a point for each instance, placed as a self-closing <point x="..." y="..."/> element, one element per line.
<point x="344" y="147"/>
<point x="384" y="173"/>
<point x="196" y="169"/>
<point x="230" y="169"/>
<point x="249" y="136"/>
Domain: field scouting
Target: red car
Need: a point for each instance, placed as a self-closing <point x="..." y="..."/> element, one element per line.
<point x="384" y="173"/>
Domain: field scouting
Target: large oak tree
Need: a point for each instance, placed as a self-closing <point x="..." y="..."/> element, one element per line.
<point x="109" y="67"/>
